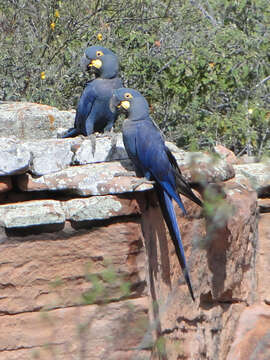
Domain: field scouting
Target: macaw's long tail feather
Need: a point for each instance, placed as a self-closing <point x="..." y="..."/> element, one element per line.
<point x="169" y="215"/>
<point x="184" y="188"/>
<point x="72" y="132"/>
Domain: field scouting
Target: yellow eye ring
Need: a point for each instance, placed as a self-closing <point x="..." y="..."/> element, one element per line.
<point x="128" y="96"/>
<point x="99" y="53"/>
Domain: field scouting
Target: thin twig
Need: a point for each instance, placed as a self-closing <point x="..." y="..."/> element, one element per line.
<point x="170" y="61"/>
<point x="262" y="81"/>
<point x="242" y="151"/>
<point x="205" y="12"/>
<point x="167" y="8"/>
<point x="267" y="132"/>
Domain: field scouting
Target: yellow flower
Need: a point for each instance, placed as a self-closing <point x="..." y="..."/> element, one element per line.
<point x="250" y="111"/>
<point x="42" y="75"/>
<point x="99" y="36"/>
<point x="56" y="14"/>
<point x="212" y="64"/>
<point x="52" y="26"/>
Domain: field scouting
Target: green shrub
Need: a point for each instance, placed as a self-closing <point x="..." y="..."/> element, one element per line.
<point x="203" y="66"/>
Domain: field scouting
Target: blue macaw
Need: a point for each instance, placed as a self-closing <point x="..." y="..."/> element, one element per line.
<point x="93" y="112"/>
<point x="145" y="146"/>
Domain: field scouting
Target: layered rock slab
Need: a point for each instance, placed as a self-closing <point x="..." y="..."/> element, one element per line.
<point x="256" y="174"/>
<point x="31" y="213"/>
<point x="100" y="148"/>
<point x="112" y="177"/>
<point x="32" y="121"/>
<point x="49" y="156"/>
<point x="14" y="157"/>
<point x="199" y="167"/>
<point x="99" y="208"/>
<point x="85" y="180"/>
<point x="226" y="154"/>
<point x="39" y="213"/>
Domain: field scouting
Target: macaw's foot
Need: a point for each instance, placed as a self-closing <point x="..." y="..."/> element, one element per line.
<point x="127" y="173"/>
<point x="137" y="183"/>
<point x="63" y="133"/>
<point x="82" y="137"/>
<point x="108" y="134"/>
<point x="92" y="139"/>
<point x="111" y="135"/>
<point x="113" y="138"/>
<point x="105" y="133"/>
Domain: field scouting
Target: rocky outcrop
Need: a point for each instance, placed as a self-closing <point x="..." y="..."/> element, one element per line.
<point x="90" y="179"/>
<point x="226" y="154"/>
<point x="89" y="271"/>
<point x="222" y="267"/>
<point x="29" y="121"/>
<point x="31" y="213"/>
<point x="257" y="174"/>
<point x="14" y="157"/>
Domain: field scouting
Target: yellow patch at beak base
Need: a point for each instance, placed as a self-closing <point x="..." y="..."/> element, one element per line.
<point x="125" y="104"/>
<point x="97" y="63"/>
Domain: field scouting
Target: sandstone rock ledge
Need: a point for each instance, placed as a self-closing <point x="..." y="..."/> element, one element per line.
<point x="88" y="270"/>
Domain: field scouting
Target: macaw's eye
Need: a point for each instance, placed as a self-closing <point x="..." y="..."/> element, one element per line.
<point x="128" y="96"/>
<point x="99" y="53"/>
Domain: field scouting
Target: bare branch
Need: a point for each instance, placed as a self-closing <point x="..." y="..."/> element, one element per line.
<point x="169" y="62"/>
<point x="205" y="12"/>
<point x="264" y="138"/>
<point x="262" y="82"/>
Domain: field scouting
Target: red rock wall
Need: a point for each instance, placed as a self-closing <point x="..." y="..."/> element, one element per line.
<point x="42" y="279"/>
<point x="88" y="273"/>
<point x="223" y="276"/>
<point x="44" y="274"/>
